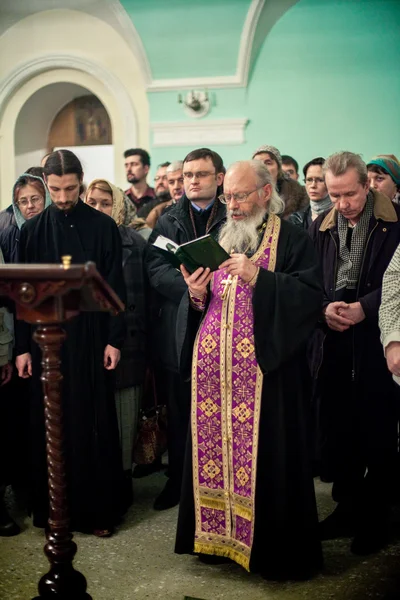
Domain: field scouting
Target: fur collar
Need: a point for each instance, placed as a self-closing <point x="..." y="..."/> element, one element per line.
<point x="294" y="196"/>
<point x="383" y="210"/>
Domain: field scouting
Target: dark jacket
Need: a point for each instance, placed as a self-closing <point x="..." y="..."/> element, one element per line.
<point x="9" y="243"/>
<point x="302" y="218"/>
<point x="7" y="217"/>
<point x="293" y="194"/>
<point x="382" y="241"/>
<point x="131" y="368"/>
<point x="168" y="282"/>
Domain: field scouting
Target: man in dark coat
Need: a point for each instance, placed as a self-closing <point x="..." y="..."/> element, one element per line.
<point x="198" y="212"/>
<point x="248" y="492"/>
<point x="358" y="429"/>
<point x="90" y="355"/>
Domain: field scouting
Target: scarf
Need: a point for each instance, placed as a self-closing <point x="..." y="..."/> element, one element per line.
<point x="391" y="167"/>
<point x="320" y="206"/>
<point x="19" y="218"/>
<point x="349" y="263"/>
<point x="123" y="210"/>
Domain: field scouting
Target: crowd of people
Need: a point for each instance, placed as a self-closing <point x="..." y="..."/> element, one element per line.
<point x="280" y="366"/>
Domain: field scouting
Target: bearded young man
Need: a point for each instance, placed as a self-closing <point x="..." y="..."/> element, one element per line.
<point x="90" y="353"/>
<point x="247" y="493"/>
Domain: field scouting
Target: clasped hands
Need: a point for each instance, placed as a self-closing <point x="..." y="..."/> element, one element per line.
<point x="340" y="316"/>
<point x="237" y="264"/>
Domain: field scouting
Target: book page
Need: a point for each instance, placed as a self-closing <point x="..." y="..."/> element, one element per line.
<point x="165" y="244"/>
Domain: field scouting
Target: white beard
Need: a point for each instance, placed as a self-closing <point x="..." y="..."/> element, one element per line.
<point x="242" y="236"/>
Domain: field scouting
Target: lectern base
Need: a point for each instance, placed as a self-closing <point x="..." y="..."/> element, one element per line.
<point x="62" y="582"/>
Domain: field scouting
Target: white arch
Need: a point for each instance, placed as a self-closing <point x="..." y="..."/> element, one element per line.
<point x="30" y="69"/>
<point x="54" y="58"/>
<point x="23" y="84"/>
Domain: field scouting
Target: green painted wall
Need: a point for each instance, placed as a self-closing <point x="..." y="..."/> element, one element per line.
<point x="327" y="78"/>
<point x="187" y="38"/>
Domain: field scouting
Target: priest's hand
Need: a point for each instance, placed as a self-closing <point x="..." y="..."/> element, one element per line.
<point x="197" y="282"/>
<point x="111" y="357"/>
<point x="239" y="264"/>
<point x="392" y="352"/>
<point x="23" y="362"/>
<point x="354" y="312"/>
<point x="334" y="319"/>
<point x="6" y="372"/>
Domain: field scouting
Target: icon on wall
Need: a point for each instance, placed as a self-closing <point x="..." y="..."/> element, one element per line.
<point x="92" y="122"/>
<point x="82" y="122"/>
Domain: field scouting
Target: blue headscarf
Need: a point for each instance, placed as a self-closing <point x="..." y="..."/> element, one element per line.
<point x="19" y="219"/>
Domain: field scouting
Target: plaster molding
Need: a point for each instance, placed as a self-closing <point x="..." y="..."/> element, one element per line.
<point x="42" y="64"/>
<point x="225" y="81"/>
<point x="187" y="133"/>
<point x="135" y="41"/>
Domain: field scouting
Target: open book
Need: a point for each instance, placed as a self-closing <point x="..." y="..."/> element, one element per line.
<point x="202" y="252"/>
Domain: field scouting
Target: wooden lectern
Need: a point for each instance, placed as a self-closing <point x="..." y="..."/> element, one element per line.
<point x="47" y="295"/>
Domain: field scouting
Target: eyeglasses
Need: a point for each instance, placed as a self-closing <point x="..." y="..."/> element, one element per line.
<point x="239" y="197"/>
<point x="310" y="180"/>
<point x="33" y="200"/>
<point x="160" y="177"/>
<point x="198" y="175"/>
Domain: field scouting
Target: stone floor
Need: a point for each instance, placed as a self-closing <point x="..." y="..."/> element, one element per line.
<point x="139" y="563"/>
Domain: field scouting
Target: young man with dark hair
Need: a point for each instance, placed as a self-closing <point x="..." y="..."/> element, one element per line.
<point x="137" y="166"/>
<point x="290" y="166"/>
<point x="90" y="353"/>
<point x="197" y="213"/>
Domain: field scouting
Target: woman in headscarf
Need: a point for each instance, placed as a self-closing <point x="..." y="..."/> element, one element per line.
<point x="29" y="198"/>
<point x="107" y="198"/>
<point x="384" y="176"/>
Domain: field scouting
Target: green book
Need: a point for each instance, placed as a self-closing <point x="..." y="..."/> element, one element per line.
<point x="202" y="252"/>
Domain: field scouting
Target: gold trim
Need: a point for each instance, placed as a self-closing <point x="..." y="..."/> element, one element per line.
<point x="212" y="503"/>
<point x="195" y="449"/>
<point x="227" y="552"/>
<point x="242" y="511"/>
<point x="224" y="402"/>
<point x="232" y="504"/>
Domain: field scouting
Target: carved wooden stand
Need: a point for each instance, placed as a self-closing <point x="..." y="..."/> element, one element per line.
<point x="47" y="295"/>
<point x="62" y="580"/>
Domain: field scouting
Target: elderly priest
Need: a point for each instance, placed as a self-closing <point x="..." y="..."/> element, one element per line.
<point x="248" y="492"/>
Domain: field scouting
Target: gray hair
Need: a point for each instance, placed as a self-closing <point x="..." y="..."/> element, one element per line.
<point x="340" y="162"/>
<point x="177" y="165"/>
<point x="275" y="204"/>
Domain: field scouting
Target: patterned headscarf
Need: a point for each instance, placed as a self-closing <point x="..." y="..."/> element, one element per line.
<point x="123" y="211"/>
<point x="271" y="150"/>
<point x="389" y="165"/>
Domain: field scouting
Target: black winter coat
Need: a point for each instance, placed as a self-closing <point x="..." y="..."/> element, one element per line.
<point x="168" y="282"/>
<point x="132" y="366"/>
<point x="302" y="218"/>
<point x="382" y="241"/>
<point x="9" y="243"/>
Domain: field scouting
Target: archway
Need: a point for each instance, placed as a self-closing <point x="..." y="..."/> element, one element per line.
<point x="65" y="115"/>
<point x="23" y="85"/>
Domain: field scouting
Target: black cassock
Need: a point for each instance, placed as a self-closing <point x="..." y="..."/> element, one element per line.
<point x="94" y="468"/>
<point x="286" y="306"/>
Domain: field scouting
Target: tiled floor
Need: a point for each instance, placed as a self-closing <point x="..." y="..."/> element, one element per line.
<point x="139" y="563"/>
